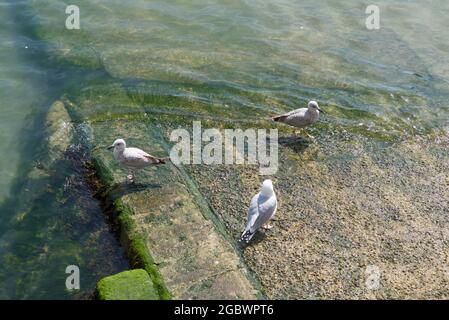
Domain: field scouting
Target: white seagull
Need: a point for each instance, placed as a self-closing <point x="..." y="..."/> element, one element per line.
<point x="302" y="117"/>
<point x="133" y="158"/>
<point x="262" y="208"/>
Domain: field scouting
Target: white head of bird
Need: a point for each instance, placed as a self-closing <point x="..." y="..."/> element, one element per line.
<point x="119" y="145"/>
<point x="267" y="188"/>
<point x="313" y="106"/>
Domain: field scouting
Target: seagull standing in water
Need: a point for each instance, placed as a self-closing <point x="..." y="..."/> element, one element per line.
<point x="133" y="158"/>
<point x="302" y="117"/>
<point x="262" y="208"/>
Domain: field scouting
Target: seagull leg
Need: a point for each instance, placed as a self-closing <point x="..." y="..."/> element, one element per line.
<point x="134" y="177"/>
<point x="310" y="136"/>
<point x="267" y="226"/>
<point x="131" y="177"/>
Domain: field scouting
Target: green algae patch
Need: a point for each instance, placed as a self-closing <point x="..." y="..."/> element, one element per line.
<point x="137" y="250"/>
<point x="127" y="285"/>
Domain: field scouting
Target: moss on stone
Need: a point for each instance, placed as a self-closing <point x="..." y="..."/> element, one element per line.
<point x="127" y="285"/>
<point x="134" y="245"/>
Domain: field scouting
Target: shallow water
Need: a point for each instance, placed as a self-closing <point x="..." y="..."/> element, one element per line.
<point x="224" y="58"/>
<point x="49" y="218"/>
<point x="273" y="56"/>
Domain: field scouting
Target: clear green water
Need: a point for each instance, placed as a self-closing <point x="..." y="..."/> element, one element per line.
<point x="206" y="56"/>
<point x="48" y="218"/>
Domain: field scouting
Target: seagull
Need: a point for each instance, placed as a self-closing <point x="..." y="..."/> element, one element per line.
<point x="302" y="117"/>
<point x="262" y="208"/>
<point x="133" y="158"/>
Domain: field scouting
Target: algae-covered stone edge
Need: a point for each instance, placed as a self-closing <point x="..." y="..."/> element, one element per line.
<point x="133" y="284"/>
<point x="133" y="243"/>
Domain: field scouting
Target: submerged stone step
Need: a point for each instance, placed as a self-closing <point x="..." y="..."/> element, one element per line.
<point x="60" y="130"/>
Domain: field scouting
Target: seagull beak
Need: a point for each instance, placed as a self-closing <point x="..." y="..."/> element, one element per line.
<point x="111" y="147"/>
<point x="320" y="110"/>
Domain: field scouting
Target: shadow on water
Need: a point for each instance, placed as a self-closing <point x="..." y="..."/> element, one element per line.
<point x="51" y="219"/>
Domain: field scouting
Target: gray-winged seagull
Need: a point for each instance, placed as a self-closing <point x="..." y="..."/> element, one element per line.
<point x="262" y="208"/>
<point x="302" y="117"/>
<point x="133" y="158"/>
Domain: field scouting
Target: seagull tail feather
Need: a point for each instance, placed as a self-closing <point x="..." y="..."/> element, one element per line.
<point x="163" y="160"/>
<point x="278" y="118"/>
<point x="247" y="236"/>
<point x="159" y="160"/>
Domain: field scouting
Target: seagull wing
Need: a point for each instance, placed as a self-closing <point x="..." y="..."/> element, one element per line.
<point x="134" y="158"/>
<point x="267" y="209"/>
<point x="137" y="152"/>
<point x="282" y="117"/>
<point x="297" y="112"/>
<point x="138" y="155"/>
<point x="260" y="211"/>
<point x="253" y="213"/>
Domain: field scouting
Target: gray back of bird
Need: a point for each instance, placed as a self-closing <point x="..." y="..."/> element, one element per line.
<point x="299" y="118"/>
